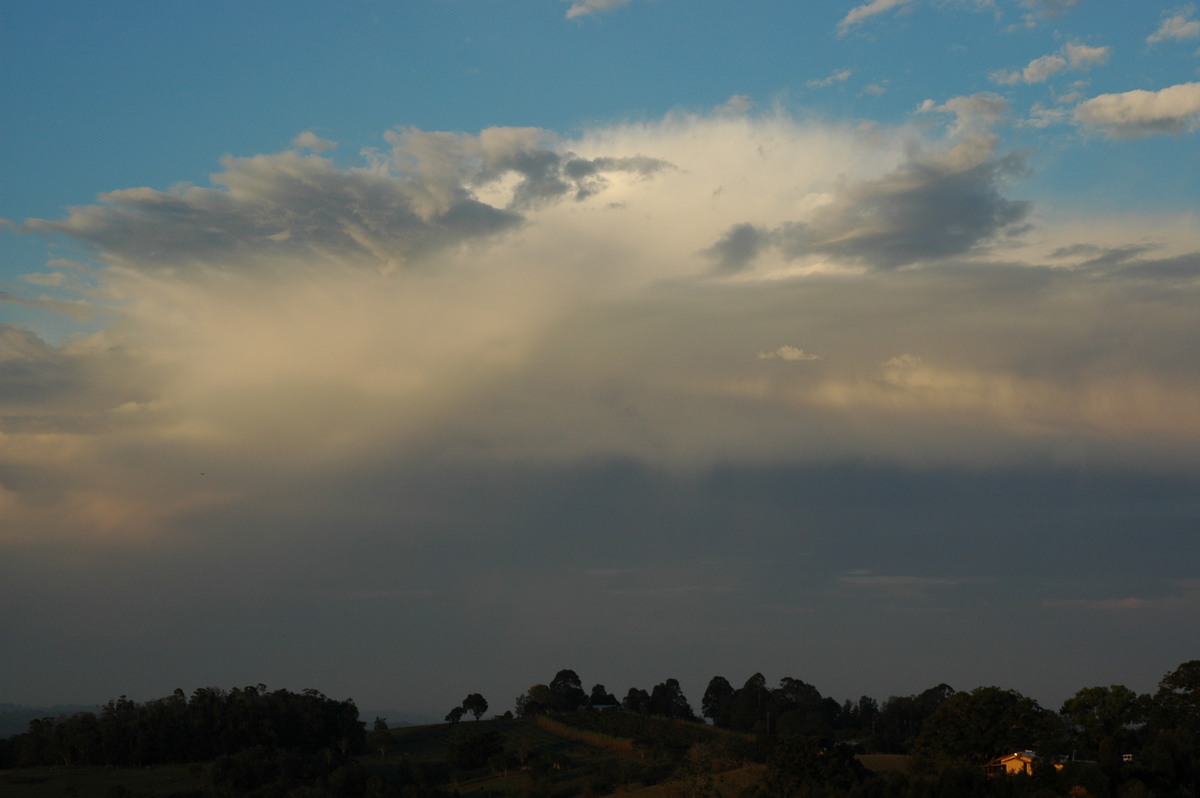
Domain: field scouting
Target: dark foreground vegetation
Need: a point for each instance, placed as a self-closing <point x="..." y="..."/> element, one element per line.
<point x="760" y="742"/>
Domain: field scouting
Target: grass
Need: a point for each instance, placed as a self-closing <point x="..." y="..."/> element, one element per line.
<point x="563" y="759"/>
<point x="100" y="782"/>
<point x="885" y="763"/>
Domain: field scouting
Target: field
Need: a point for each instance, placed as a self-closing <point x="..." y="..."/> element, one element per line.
<point x="593" y="756"/>
<point x="99" y="782"/>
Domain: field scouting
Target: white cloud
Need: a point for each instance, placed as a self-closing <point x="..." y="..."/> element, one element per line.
<point x="581" y="8"/>
<point x="50" y="280"/>
<point x="311" y="141"/>
<point x="789" y="353"/>
<point x="839" y="76"/>
<point x="1045" y="9"/>
<point x="1071" y="56"/>
<point x="865" y="11"/>
<point x="1139" y="113"/>
<point x="736" y="104"/>
<point x="974" y="114"/>
<point x="1177" y="27"/>
<point x="1082" y="55"/>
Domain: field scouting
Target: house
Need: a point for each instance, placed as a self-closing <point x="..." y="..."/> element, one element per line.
<point x="1017" y="762"/>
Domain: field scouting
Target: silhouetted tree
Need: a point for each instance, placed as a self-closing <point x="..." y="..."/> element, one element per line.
<point x="601" y="697"/>
<point x="476" y="704"/>
<point x="972" y="728"/>
<point x="668" y="700"/>
<point x="636" y="700"/>
<point x="566" y="692"/>
<point x="715" y="703"/>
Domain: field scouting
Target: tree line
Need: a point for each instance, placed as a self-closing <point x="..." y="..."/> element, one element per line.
<point x="1134" y="743"/>
<point x="209" y="724"/>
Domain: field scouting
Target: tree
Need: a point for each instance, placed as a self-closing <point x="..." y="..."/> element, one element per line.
<point x="455" y="714"/>
<point x="800" y="765"/>
<point x="535" y="701"/>
<point x="901" y="717"/>
<point x="636" y="700"/>
<point x="668" y="700"/>
<point x="973" y="728"/>
<point x="601" y="697"/>
<point x="715" y="704"/>
<point x="476" y="704"/>
<point x="1105" y="719"/>
<point x="1177" y="702"/>
<point x="566" y="692"/>
<point x="380" y="738"/>
<point x="749" y="705"/>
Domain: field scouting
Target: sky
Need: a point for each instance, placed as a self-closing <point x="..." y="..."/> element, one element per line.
<point x="403" y="349"/>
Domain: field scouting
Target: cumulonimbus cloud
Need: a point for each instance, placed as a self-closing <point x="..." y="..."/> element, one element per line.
<point x="514" y="296"/>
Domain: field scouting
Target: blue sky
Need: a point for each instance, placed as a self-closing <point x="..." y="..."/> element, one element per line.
<point x="479" y="339"/>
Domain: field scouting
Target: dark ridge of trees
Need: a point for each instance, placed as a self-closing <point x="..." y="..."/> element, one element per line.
<point x="1104" y="742"/>
<point x="177" y="729"/>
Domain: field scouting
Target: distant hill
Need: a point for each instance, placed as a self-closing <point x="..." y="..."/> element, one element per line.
<point x="397" y="717"/>
<point x="14" y="718"/>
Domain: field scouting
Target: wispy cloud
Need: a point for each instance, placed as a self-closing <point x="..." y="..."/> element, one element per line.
<point x="1073" y="56"/>
<point x="839" y="76"/>
<point x="865" y="11"/>
<point x="581" y="8"/>
<point x="1040" y="10"/>
<point x="792" y="354"/>
<point x="1176" y="25"/>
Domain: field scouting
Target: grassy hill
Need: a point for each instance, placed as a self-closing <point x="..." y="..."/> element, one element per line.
<point x="593" y="754"/>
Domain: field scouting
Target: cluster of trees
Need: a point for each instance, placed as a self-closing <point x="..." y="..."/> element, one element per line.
<point x="474" y="703"/>
<point x="565" y="694"/>
<point x="208" y="725"/>
<point x="1145" y="742"/>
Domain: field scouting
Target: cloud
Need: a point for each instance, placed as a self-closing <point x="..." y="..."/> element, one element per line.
<point x="866" y="11"/>
<point x="1178" y="26"/>
<point x="1040" y="10"/>
<point x="839" y="76"/>
<point x="736" y="104"/>
<point x="311" y="141"/>
<point x="738" y="248"/>
<point x="258" y="337"/>
<point x="416" y="200"/>
<point x="1073" y="55"/>
<point x="1139" y="113"/>
<point x="929" y="209"/>
<point x="973" y="114"/>
<point x="580" y="8"/>
<point x="898" y="587"/>
<point x="791" y="354"/>
<point x="1099" y="605"/>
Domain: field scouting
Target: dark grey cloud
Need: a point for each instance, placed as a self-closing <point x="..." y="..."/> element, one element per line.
<point x="74" y="388"/>
<point x="1101" y="256"/>
<point x="587" y="174"/>
<point x="272" y="206"/>
<point x="627" y="574"/>
<point x="738" y="248"/>
<point x="924" y="211"/>
<point x="288" y="205"/>
<point x="927" y="210"/>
